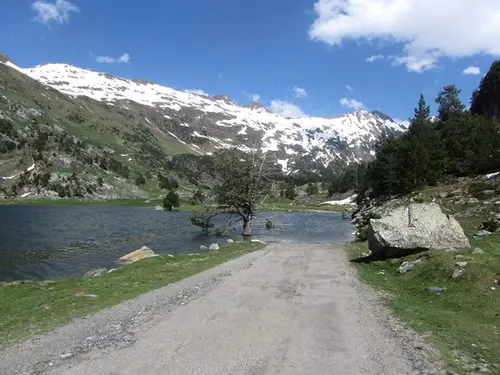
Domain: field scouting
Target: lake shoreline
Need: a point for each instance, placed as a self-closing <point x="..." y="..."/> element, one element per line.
<point x="36" y="307"/>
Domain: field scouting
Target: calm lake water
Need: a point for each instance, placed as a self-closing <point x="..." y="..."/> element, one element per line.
<point x="40" y="242"/>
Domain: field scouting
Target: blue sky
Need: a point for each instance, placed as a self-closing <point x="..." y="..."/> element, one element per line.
<point x="313" y="57"/>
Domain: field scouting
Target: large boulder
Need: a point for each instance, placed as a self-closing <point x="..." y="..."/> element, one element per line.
<point x="142" y="253"/>
<point x="412" y="228"/>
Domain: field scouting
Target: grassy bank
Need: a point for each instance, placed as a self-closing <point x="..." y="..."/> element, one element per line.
<point x="31" y="308"/>
<point x="464" y="321"/>
<point x="287" y="207"/>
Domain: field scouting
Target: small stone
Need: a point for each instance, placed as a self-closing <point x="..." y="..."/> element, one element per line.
<point x="435" y="289"/>
<point x="497" y="203"/>
<point x="462" y="264"/>
<point x="203" y="248"/>
<point x="170" y="256"/>
<point x="82" y="294"/>
<point x="482" y="233"/>
<point x="443" y="194"/>
<point x="459" y="272"/>
<point x="493" y="288"/>
<point x="214" y="247"/>
<point x="229" y="240"/>
<point x="66" y="355"/>
<point x="472" y="200"/>
<point x="407" y="266"/>
<point x="477" y="251"/>
<point x="113" y="270"/>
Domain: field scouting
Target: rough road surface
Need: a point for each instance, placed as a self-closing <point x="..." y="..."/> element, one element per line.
<point x="289" y="309"/>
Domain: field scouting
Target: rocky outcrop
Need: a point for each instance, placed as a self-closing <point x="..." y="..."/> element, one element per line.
<point x="412" y="228"/>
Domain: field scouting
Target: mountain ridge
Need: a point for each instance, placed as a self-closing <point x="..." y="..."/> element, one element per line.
<point x="151" y="124"/>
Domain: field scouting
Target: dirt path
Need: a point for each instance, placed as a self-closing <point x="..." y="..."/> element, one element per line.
<point x="289" y="309"/>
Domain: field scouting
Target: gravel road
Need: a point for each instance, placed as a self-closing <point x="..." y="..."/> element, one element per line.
<point x="288" y="309"/>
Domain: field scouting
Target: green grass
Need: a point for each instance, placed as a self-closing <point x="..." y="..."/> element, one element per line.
<point x="30" y="308"/>
<point x="185" y="206"/>
<point x="464" y="321"/>
<point x="286" y="206"/>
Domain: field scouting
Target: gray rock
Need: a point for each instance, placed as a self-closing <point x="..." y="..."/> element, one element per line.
<point x="488" y="192"/>
<point x="158" y="208"/>
<point x="497" y="203"/>
<point x="407" y="266"/>
<point x="214" y="247"/>
<point x="456" y="193"/>
<point x="460" y="256"/>
<point x="472" y="200"/>
<point x="459" y="272"/>
<point x="96" y="272"/>
<point x="477" y="251"/>
<point x="461" y="264"/>
<point x="203" y="248"/>
<point x="415" y="227"/>
<point x="113" y="270"/>
<point x="230" y="240"/>
<point x="435" y="289"/>
<point x="443" y="194"/>
<point x="482" y="233"/>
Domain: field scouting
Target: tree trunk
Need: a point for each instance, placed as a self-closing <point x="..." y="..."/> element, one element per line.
<point x="247" y="229"/>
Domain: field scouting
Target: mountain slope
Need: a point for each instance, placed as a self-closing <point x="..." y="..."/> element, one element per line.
<point x="141" y="126"/>
<point x="214" y="122"/>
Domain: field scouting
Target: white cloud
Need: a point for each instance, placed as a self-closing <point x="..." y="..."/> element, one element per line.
<point x="474" y="70"/>
<point x="348" y="87"/>
<point x="300" y="92"/>
<point x="255" y="97"/>
<point x="198" y="92"/>
<point x="352" y="103"/>
<point x="373" y="58"/>
<point x="286" y="109"/>
<point x="59" y="11"/>
<point x="427" y="29"/>
<point x="125" y="58"/>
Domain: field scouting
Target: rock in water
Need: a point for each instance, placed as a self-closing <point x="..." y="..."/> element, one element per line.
<point x="96" y="272"/>
<point x="415" y="227"/>
<point x="134" y="256"/>
<point x="230" y="240"/>
<point x="203" y="248"/>
<point x="214" y="247"/>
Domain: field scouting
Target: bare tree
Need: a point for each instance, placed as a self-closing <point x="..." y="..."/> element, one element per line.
<point x="245" y="179"/>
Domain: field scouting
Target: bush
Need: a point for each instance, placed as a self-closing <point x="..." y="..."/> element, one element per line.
<point x="289" y="192"/>
<point x="198" y="197"/>
<point x="203" y="220"/>
<point x="311" y="189"/>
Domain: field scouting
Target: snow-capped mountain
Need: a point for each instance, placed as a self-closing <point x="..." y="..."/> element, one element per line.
<point x="206" y="123"/>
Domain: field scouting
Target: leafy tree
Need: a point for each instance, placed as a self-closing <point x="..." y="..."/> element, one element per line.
<point x="171" y="200"/>
<point x="140" y="180"/>
<point x="449" y="102"/>
<point x="100" y="181"/>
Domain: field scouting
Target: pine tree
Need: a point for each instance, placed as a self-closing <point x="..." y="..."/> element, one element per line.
<point x="171" y="201"/>
<point x="487" y="101"/>
<point x="449" y="102"/>
<point x="422" y="112"/>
